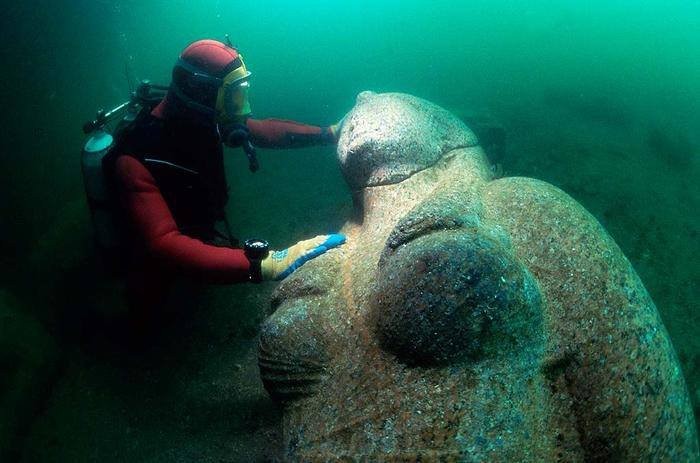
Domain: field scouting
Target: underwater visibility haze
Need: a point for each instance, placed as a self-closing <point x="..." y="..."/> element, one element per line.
<point x="599" y="99"/>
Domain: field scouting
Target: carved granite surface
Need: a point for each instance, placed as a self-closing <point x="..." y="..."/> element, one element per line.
<point x="467" y="318"/>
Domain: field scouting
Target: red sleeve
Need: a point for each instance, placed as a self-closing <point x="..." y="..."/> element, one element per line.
<point x="279" y="133"/>
<point x="152" y="221"/>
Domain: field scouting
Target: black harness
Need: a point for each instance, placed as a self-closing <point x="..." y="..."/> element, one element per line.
<point x="186" y="161"/>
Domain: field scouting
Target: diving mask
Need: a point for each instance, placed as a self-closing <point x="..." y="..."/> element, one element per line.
<point x="232" y="103"/>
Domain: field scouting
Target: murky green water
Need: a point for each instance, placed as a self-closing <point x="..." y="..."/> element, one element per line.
<point x="599" y="98"/>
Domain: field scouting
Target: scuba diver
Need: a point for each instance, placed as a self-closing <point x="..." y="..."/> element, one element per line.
<point x="166" y="171"/>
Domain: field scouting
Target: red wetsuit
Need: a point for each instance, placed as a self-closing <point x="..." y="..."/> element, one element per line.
<point x="166" y="252"/>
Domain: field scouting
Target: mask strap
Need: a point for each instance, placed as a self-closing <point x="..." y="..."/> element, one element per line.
<point x="199" y="76"/>
<point x="190" y="103"/>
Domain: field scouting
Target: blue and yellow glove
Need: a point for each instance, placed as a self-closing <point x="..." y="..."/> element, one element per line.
<point x="280" y="264"/>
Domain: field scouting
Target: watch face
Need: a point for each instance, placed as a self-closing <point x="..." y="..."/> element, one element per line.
<point x="256" y="244"/>
<point x="255" y="248"/>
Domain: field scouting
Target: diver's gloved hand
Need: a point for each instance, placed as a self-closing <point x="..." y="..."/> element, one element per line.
<point x="336" y="128"/>
<point x="280" y="264"/>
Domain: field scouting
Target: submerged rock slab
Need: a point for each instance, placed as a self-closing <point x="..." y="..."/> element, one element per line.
<point x="467" y="318"/>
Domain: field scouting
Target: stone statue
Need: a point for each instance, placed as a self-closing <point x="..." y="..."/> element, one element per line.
<point x="467" y="318"/>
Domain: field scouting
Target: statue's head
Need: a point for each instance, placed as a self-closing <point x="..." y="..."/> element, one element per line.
<point x="388" y="137"/>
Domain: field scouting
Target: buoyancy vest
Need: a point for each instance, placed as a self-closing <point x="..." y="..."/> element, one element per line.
<point x="186" y="161"/>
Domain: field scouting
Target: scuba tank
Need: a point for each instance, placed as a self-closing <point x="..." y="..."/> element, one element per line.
<point x="98" y="189"/>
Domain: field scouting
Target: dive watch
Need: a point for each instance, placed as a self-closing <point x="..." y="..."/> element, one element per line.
<point x="255" y="250"/>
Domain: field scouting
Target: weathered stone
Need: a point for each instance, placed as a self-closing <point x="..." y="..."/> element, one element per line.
<point x="466" y="318"/>
<point x="385" y="144"/>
